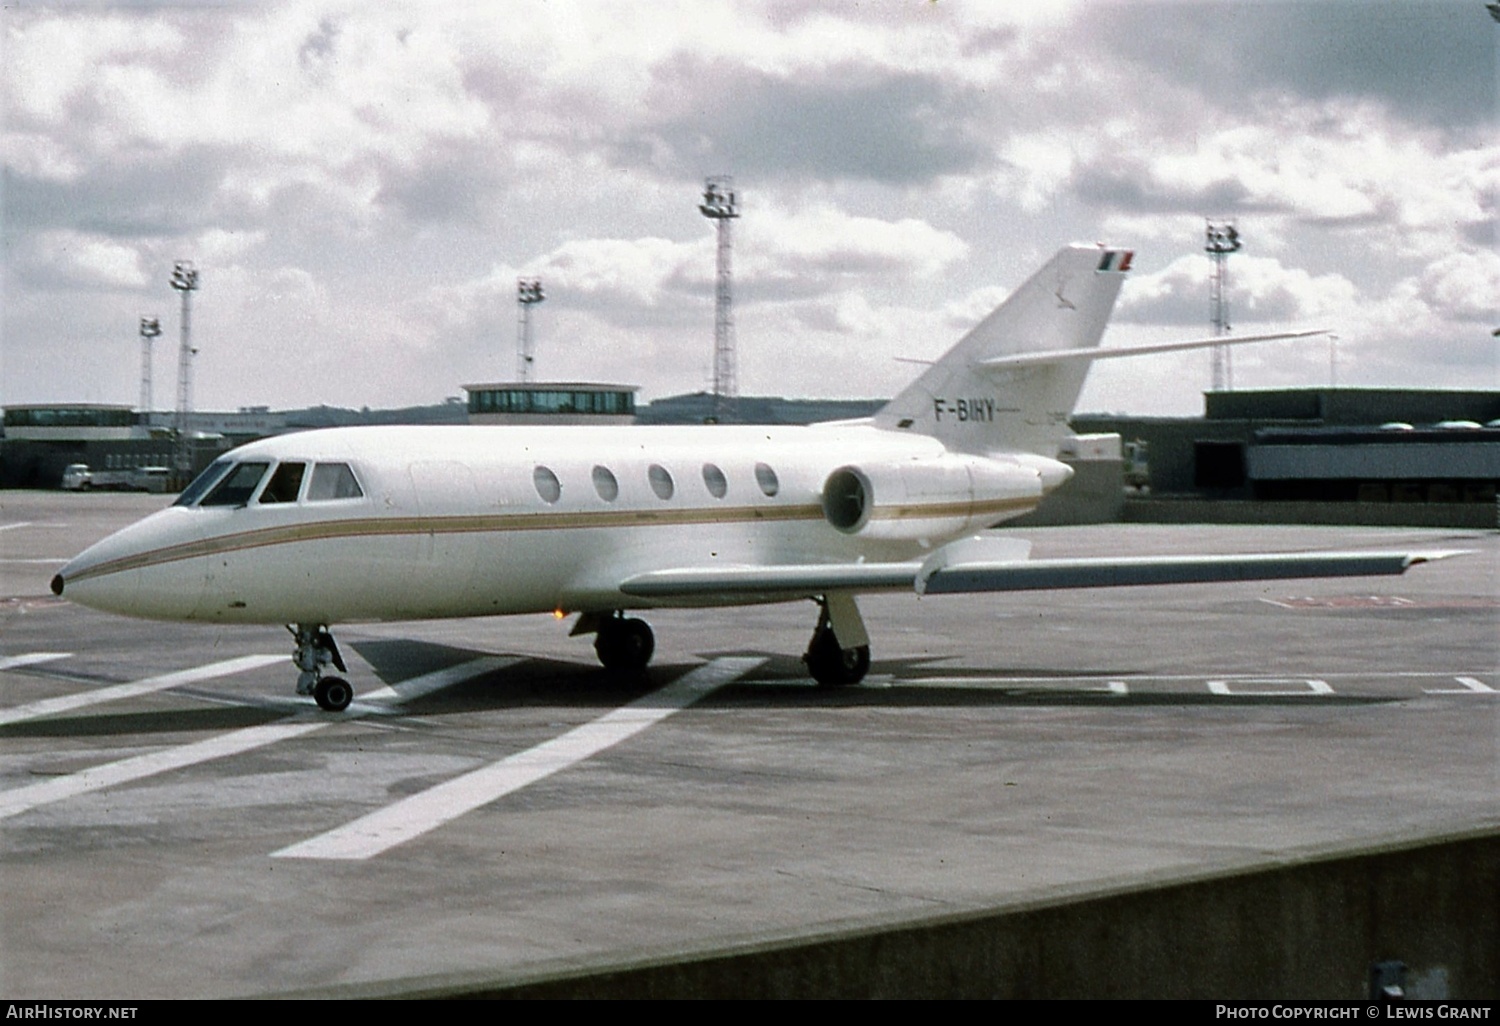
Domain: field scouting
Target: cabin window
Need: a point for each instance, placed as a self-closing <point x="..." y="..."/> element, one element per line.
<point x="237" y="486"/>
<point x="203" y="482"/>
<point x="605" y="484"/>
<point x="333" y="481"/>
<point x="284" y="484"/>
<point x="661" y="481"/>
<point x="547" y="484"/>
<point x="715" y="481"/>
<point x="766" y="478"/>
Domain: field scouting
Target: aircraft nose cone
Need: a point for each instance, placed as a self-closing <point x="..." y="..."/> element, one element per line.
<point x="57" y="584"/>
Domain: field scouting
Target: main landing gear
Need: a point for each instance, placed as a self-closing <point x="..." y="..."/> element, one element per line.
<point x="316" y="649"/>
<point x="623" y="643"/>
<point x="839" y="652"/>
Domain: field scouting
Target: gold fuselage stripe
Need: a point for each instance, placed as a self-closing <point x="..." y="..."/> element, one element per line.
<point x="486" y="523"/>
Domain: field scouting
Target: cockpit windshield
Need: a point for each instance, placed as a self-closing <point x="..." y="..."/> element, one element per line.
<point x="228" y="483"/>
<point x="203" y="482"/>
<point x="238" y="485"/>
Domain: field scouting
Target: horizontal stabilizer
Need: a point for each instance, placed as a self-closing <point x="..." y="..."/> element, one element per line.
<point x="1051" y="356"/>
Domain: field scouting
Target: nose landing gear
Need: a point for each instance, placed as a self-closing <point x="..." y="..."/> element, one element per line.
<point x="315" y="650"/>
<point x="623" y="643"/>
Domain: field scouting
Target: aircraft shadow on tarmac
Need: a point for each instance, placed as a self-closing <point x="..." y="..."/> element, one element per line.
<point x="779" y="682"/>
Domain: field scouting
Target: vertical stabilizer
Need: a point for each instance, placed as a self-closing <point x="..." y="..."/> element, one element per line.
<point x="1065" y="305"/>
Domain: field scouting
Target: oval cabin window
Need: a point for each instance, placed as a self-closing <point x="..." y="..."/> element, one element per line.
<point x="714" y="481"/>
<point x="766" y="478"/>
<point x="661" y="481"/>
<point x="605" y="484"/>
<point x="547" y="484"/>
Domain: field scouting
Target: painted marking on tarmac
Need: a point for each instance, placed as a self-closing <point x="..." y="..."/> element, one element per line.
<point x="412" y="817"/>
<point x="387" y="700"/>
<point x="30" y="658"/>
<point x="23" y="799"/>
<point x="1471" y="686"/>
<point x="115" y="692"/>
<point x="1302" y="686"/>
<point x="18" y="523"/>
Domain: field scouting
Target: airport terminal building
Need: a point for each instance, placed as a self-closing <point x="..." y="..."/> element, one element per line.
<point x="1366" y="447"/>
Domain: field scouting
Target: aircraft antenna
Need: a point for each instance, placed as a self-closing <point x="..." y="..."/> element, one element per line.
<point x="528" y="294"/>
<point x="185" y="281"/>
<point x="722" y="206"/>
<point x="1222" y="240"/>
<point x="150" y="331"/>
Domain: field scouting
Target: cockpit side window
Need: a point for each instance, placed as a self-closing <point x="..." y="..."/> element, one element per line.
<point x="238" y="485"/>
<point x="284" y="484"/>
<point x="211" y="476"/>
<point x="333" y="481"/>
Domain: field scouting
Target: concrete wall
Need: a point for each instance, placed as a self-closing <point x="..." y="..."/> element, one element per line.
<point x="1298" y="926"/>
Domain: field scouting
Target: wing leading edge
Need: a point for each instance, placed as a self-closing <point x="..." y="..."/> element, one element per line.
<point x="945" y="573"/>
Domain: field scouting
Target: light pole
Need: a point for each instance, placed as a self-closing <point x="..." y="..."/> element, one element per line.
<point x="1222" y="240"/>
<point x="528" y="293"/>
<point x="150" y="331"/>
<point x="185" y="281"/>
<point x="721" y="205"/>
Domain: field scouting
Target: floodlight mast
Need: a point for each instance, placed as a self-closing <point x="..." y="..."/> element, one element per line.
<point x="722" y="206"/>
<point x="185" y="281"/>
<point x="1222" y="239"/>
<point x="150" y="331"/>
<point x="528" y="293"/>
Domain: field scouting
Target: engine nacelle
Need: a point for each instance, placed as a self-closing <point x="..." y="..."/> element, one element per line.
<point x="929" y="498"/>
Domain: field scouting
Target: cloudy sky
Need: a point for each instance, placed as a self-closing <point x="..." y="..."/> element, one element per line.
<point x="361" y="184"/>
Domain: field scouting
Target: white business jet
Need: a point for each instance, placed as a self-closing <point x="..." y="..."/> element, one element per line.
<point x="402" y="523"/>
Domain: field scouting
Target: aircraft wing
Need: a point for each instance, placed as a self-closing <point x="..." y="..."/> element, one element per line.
<point x="960" y="571"/>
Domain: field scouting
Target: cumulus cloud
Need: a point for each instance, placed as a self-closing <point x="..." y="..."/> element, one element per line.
<point x="76" y="260"/>
<point x="1261" y="291"/>
<point x="370" y="179"/>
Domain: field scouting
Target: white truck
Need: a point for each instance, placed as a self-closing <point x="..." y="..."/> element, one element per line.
<point x="77" y="477"/>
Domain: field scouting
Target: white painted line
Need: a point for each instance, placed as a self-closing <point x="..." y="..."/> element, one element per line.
<point x="1471" y="686"/>
<point x="1114" y="687"/>
<point x="12" y="527"/>
<point x="420" y="813"/>
<point x="22" y="799"/>
<point x="1308" y="686"/>
<point x="11" y="662"/>
<point x="48" y="562"/>
<point x="386" y="700"/>
<point x="115" y="692"/>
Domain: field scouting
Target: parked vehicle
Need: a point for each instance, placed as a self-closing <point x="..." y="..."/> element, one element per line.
<point x="150" y="479"/>
<point x="78" y="477"/>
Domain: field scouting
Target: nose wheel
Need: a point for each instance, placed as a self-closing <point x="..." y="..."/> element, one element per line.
<point x="624" y="644"/>
<point x="316" y="650"/>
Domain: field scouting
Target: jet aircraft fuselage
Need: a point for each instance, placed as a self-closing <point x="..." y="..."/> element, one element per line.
<point x="328" y="527"/>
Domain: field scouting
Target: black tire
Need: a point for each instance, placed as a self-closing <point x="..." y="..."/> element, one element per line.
<point x="625" y="646"/>
<point x="832" y="666"/>
<point x="333" y="694"/>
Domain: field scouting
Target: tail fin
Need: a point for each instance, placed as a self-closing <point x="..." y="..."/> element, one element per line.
<point x="975" y="409"/>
